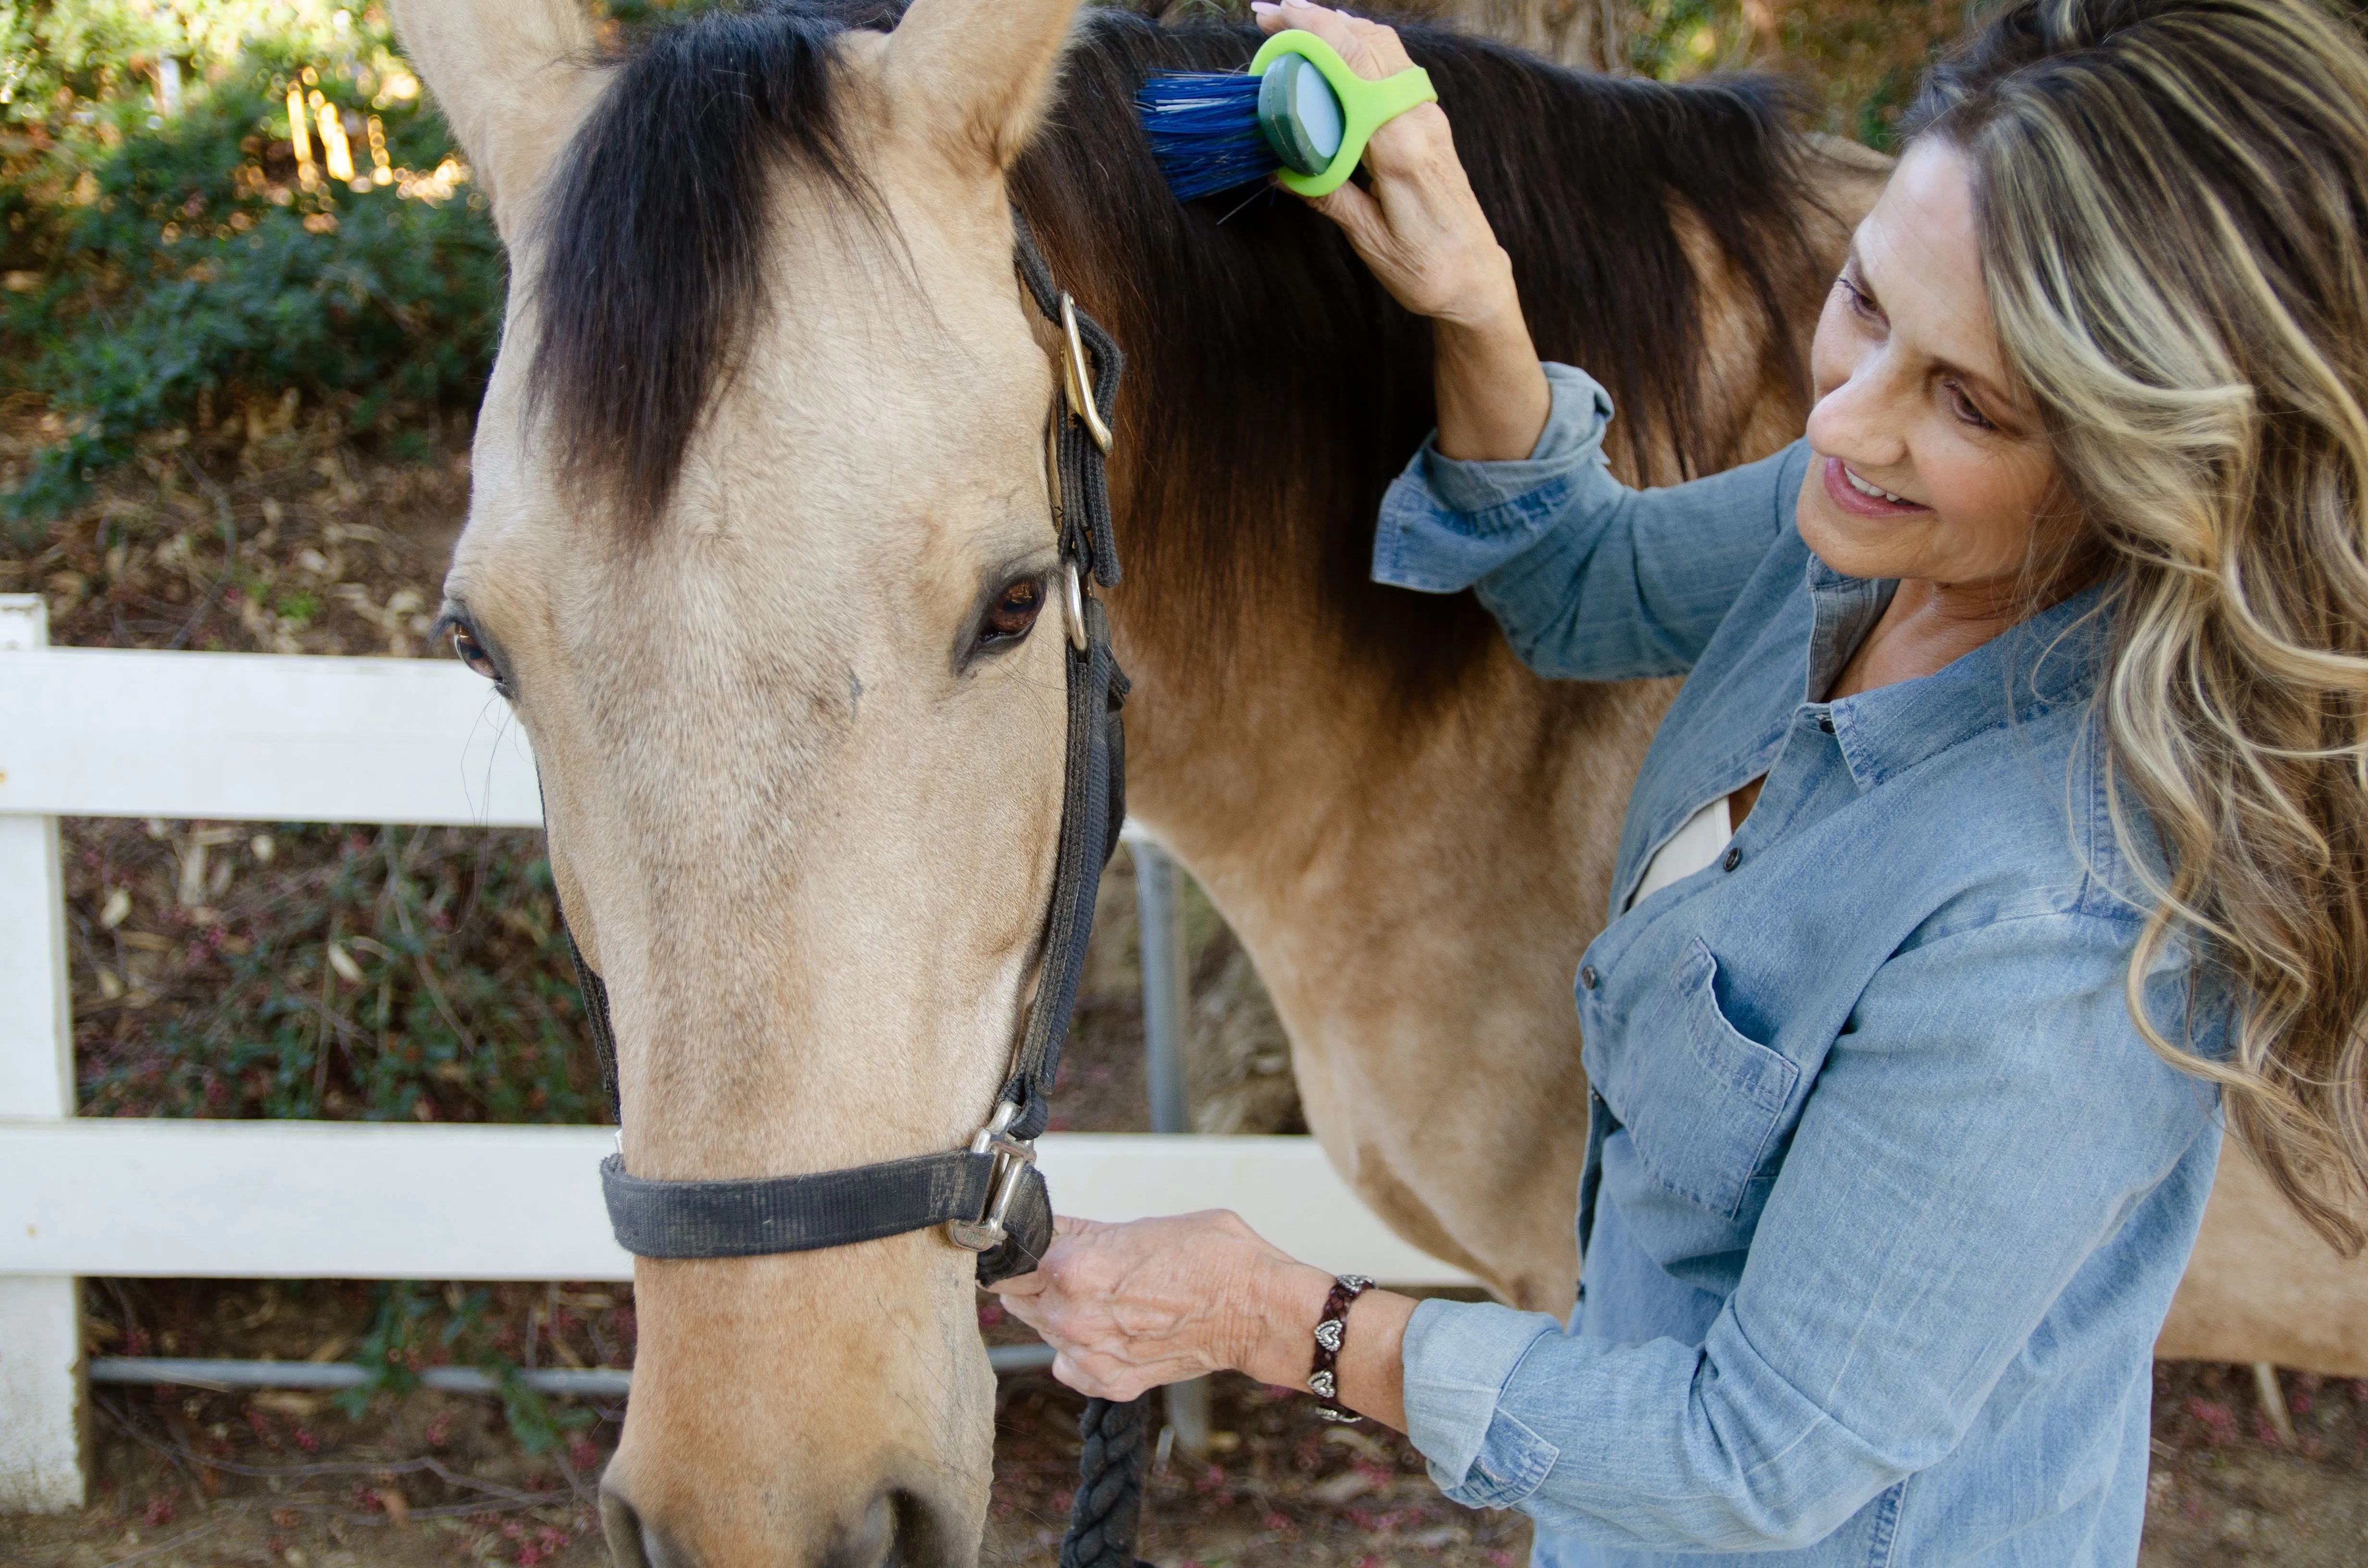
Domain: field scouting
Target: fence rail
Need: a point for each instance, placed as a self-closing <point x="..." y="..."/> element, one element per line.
<point x="263" y="738"/>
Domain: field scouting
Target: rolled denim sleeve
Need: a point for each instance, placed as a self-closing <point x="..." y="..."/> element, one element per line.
<point x="1588" y="578"/>
<point x="1963" y="1158"/>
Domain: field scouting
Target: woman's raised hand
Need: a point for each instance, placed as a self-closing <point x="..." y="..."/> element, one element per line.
<point x="1422" y="232"/>
<point x="1419" y="227"/>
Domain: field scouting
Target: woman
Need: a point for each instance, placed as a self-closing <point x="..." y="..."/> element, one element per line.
<point x="2022" y="732"/>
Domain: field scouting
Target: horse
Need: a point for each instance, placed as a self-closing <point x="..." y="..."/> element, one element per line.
<point x="758" y="539"/>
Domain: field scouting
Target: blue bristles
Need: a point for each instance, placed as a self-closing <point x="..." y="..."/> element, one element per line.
<point x="1204" y="128"/>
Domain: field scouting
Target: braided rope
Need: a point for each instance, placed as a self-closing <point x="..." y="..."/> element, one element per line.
<point x="1109" y="1485"/>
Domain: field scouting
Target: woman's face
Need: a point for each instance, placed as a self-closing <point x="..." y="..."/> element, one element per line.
<point x="1932" y="463"/>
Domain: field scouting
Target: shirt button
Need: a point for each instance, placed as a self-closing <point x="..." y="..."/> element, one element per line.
<point x="1587" y="977"/>
<point x="1734" y="859"/>
<point x="1825" y="722"/>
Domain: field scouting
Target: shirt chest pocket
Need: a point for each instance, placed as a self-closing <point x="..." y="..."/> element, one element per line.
<point x="1702" y="1103"/>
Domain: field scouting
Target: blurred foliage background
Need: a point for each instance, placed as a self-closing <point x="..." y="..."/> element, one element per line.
<point x="216" y="206"/>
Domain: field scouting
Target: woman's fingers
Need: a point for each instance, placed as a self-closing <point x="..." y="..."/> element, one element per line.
<point x="1036" y="1280"/>
<point x="1128" y="1307"/>
<point x="1097" y="1377"/>
<point x="1371" y="50"/>
<point x="1359" y="216"/>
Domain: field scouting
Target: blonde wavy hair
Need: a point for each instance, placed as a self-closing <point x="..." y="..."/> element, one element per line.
<point x="2172" y="195"/>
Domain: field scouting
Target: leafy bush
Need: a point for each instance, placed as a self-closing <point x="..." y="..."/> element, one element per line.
<point x="377" y="974"/>
<point x="295" y="224"/>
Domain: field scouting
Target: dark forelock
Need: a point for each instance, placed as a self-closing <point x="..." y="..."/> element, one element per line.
<point x="653" y="255"/>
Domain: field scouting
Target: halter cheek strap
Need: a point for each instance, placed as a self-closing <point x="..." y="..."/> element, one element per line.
<point x="990" y="1195"/>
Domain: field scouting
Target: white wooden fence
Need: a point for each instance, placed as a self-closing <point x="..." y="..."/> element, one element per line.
<point x="257" y="738"/>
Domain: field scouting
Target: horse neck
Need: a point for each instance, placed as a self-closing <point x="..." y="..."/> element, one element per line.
<point x="1413" y="835"/>
<point x="1273" y="390"/>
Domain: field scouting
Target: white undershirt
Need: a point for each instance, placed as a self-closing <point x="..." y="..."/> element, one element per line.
<point x="1693" y="848"/>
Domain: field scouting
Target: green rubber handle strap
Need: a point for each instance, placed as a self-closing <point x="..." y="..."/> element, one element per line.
<point x="1366" y="106"/>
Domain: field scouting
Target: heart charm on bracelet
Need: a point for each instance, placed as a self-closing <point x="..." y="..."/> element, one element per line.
<point x="1331" y="1333"/>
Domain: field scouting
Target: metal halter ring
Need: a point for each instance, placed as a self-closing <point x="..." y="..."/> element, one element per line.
<point x="1011" y="1157"/>
<point x="1073" y="606"/>
<point x="1073" y="374"/>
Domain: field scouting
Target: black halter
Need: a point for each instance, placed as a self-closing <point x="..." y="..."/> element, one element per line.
<point x="990" y="1195"/>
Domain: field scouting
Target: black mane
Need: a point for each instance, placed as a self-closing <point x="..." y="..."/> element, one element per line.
<point x="1273" y="388"/>
<point x="1266" y="365"/>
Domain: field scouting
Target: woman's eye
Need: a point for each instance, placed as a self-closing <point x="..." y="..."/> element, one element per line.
<point x="473" y="654"/>
<point x="1965" y="409"/>
<point x="1855" y="297"/>
<point x="1014" y="611"/>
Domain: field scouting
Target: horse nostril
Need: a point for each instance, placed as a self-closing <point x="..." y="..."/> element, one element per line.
<point x="623" y="1528"/>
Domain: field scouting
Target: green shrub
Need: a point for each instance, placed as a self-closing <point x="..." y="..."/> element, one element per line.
<point x="170" y="269"/>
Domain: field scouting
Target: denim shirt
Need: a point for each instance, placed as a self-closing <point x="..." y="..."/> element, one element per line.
<point x="1885" y="1198"/>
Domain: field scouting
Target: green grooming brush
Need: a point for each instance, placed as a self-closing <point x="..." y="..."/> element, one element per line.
<point x="1299" y="105"/>
<point x="1319" y="134"/>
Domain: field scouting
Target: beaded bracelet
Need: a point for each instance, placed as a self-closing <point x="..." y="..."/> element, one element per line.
<point x="1331" y="1333"/>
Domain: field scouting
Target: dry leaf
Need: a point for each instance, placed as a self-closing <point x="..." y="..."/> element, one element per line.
<point x="193" y="876"/>
<point x="1350" y="1438"/>
<point x="1344" y="1487"/>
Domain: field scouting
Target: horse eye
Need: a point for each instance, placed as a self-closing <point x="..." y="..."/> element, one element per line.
<point x="1015" y="611"/>
<point x="473" y="654"/>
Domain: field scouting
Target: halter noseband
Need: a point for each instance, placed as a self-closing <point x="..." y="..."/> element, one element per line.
<point x="990" y="1196"/>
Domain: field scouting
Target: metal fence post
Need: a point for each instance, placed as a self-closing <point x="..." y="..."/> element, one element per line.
<point x="44" y="1430"/>
<point x="1164" y="986"/>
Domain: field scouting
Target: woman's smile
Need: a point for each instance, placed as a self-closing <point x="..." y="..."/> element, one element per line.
<point x="1857" y="495"/>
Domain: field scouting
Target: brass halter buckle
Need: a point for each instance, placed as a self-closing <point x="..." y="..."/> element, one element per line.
<point x="1012" y="1156"/>
<point x="1074" y="380"/>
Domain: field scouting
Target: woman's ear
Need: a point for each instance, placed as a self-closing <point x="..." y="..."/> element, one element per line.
<point x="512" y="77"/>
<point x="970" y="77"/>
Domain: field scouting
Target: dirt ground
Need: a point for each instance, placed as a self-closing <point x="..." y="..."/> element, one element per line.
<point x="190" y="1478"/>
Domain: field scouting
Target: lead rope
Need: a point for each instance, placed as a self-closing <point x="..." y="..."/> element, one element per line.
<point x="1108" y="1508"/>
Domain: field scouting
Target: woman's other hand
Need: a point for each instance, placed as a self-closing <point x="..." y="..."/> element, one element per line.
<point x="1128" y="1307"/>
<point x="1421" y="230"/>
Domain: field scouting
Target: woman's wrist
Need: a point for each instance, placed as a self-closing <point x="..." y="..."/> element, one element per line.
<point x="1493" y="397"/>
<point x="1277" y="1343"/>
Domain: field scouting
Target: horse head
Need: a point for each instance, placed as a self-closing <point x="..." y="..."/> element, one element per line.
<point x="760" y="535"/>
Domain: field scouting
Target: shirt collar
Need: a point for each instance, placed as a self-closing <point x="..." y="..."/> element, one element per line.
<point x="2048" y="661"/>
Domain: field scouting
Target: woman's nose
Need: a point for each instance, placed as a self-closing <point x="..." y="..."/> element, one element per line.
<point x="1860" y="418"/>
